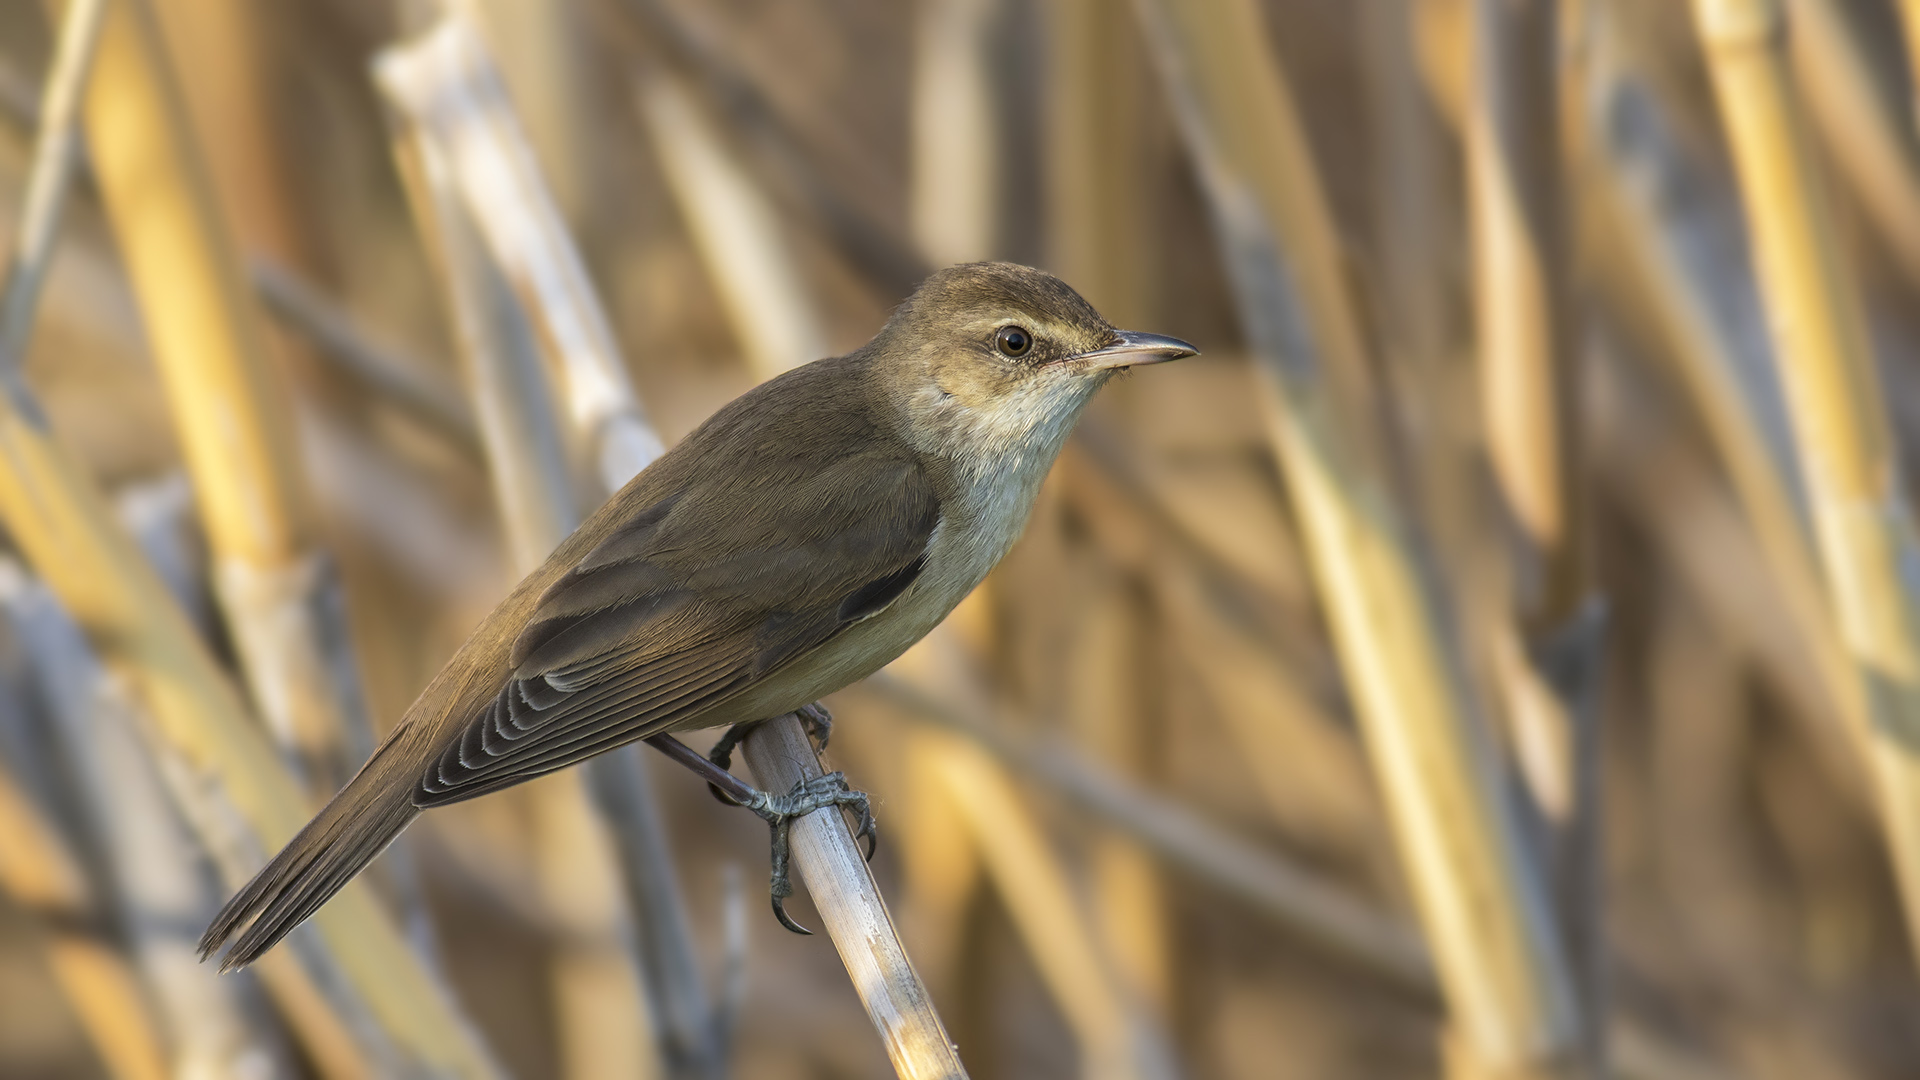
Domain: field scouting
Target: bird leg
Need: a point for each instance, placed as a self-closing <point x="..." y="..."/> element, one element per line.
<point x="819" y="724"/>
<point x="778" y="811"/>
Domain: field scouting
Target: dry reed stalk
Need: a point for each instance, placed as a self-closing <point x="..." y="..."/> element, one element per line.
<point x="160" y="888"/>
<point x="1108" y="685"/>
<point x="954" y="149"/>
<point x="545" y="63"/>
<point x="231" y="80"/>
<point x="1547" y="650"/>
<point x="780" y="157"/>
<point x="232" y="413"/>
<point x="955" y="211"/>
<point x="1862" y="524"/>
<point x="735" y="228"/>
<point x="1910" y="24"/>
<point x="1097" y="136"/>
<point x="504" y="249"/>
<point x="1008" y="843"/>
<point x="68" y="534"/>
<point x="1522" y="314"/>
<point x="1856" y="118"/>
<point x="600" y="997"/>
<point x="70" y="538"/>
<point x="1294" y="897"/>
<point x="1098" y="197"/>
<point x="834" y="870"/>
<point x="1480" y="895"/>
<point x="1411" y="258"/>
<point x="445" y="82"/>
<point x="1668" y="251"/>
<point x="56" y="154"/>
<point x="45" y="879"/>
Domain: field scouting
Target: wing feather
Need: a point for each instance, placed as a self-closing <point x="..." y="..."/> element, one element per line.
<point x="685" y="606"/>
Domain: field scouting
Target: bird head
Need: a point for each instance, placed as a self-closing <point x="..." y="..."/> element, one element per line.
<point x="997" y="358"/>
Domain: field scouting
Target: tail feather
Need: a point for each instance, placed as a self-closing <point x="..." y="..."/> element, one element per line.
<point x="337" y="844"/>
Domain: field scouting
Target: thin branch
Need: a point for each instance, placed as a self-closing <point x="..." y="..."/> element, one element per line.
<point x="834" y="869"/>
<point x="390" y="374"/>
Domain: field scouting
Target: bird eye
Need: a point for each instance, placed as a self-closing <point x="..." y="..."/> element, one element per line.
<point x="1013" y="341"/>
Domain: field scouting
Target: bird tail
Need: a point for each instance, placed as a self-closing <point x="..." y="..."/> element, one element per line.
<point x="337" y="844"/>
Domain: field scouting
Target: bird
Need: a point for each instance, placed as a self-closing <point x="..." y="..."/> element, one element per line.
<point x="797" y="541"/>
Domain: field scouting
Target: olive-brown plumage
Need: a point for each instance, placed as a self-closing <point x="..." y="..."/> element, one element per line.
<point x="804" y="536"/>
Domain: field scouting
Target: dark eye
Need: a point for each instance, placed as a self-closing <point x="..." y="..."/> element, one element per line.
<point x="1013" y="341"/>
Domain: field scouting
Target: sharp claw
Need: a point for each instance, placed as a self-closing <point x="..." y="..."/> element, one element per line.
<point x="722" y="797"/>
<point x="868" y="831"/>
<point x="819" y="723"/>
<point x="780" y="912"/>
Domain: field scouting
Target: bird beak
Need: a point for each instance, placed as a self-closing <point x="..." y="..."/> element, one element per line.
<point x="1135" y="349"/>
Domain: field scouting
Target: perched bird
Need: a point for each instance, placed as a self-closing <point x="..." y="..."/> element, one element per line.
<point x="801" y="538"/>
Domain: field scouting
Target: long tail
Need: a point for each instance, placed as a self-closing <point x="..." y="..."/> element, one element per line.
<point x="337" y="844"/>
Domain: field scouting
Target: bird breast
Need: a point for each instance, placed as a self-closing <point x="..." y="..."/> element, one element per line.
<point x="982" y="513"/>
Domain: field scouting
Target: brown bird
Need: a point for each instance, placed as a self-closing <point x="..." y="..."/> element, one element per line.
<point x="801" y="538"/>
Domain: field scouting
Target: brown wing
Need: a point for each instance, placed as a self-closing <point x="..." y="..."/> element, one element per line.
<point x="693" y="600"/>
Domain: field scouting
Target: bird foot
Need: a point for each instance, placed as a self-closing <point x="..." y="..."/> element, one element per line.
<point x="780" y="811"/>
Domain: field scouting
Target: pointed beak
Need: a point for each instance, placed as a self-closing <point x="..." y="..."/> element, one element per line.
<point x="1134" y="350"/>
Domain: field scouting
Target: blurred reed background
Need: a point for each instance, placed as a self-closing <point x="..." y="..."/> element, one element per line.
<point x="1498" y="657"/>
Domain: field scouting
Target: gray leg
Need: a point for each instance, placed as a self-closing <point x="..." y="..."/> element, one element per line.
<point x="778" y="811"/>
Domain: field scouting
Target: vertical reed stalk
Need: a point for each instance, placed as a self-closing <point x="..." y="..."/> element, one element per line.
<point x="1669" y="245"/>
<point x="68" y="534"/>
<point x="1481" y="898"/>
<point x="1856" y="117"/>
<point x="45" y="879"/>
<point x="598" y="999"/>
<point x="232" y="413"/>
<point x="1098" y="168"/>
<point x="511" y="273"/>
<point x="955" y="164"/>
<point x="160" y="889"/>
<point x="1863" y="527"/>
<point x="1910" y="23"/>
<point x="1520" y="299"/>
<point x="55" y="151"/>
<point x="736" y="230"/>
<point x="1098" y="196"/>
<point x="1547" y="653"/>
<point x="70" y="538"/>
